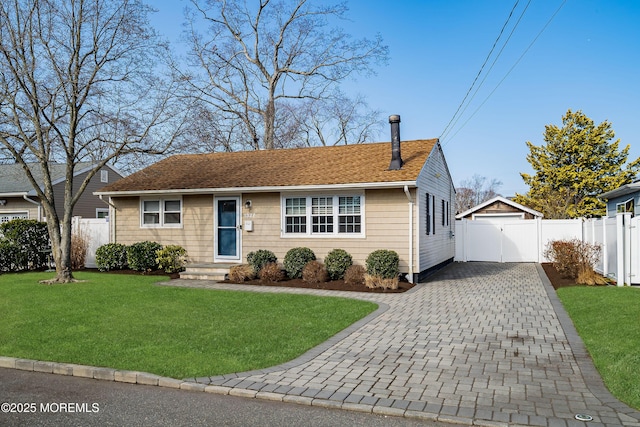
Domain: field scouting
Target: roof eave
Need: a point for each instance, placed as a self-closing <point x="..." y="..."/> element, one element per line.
<point x="266" y="189"/>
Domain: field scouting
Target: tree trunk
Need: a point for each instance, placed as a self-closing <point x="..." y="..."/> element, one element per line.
<point x="60" y="249"/>
<point x="269" y="125"/>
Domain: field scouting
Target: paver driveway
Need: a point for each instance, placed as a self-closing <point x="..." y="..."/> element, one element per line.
<point x="478" y="343"/>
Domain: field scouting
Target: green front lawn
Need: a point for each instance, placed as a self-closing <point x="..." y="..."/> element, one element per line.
<point x="608" y="321"/>
<point x="126" y="322"/>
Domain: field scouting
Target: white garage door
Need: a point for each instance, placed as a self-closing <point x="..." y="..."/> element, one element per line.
<point x="505" y="240"/>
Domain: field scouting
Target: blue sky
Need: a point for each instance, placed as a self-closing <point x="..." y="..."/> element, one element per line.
<point x="587" y="58"/>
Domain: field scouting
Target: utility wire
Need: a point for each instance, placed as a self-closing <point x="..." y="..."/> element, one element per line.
<point x="511" y="69"/>
<point x="480" y="72"/>
<point x="489" y="71"/>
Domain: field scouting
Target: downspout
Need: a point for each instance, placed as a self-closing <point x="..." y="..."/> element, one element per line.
<point x="411" y="203"/>
<point x="24" y="196"/>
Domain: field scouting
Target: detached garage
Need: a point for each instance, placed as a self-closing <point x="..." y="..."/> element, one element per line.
<point x="499" y="209"/>
<point x="498" y="230"/>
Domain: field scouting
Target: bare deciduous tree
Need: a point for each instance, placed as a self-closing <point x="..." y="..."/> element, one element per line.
<point x="258" y="57"/>
<point x="78" y="83"/>
<point x="474" y="191"/>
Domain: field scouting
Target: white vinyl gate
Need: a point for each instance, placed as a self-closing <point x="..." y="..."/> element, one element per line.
<point x="510" y="240"/>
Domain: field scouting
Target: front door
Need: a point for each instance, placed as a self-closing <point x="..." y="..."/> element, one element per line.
<point x="227" y="242"/>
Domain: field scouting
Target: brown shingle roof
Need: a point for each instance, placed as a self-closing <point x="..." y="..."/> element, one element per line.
<point x="346" y="164"/>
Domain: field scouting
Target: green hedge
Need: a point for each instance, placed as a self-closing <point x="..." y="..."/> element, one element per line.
<point x="112" y="256"/>
<point x="31" y="238"/>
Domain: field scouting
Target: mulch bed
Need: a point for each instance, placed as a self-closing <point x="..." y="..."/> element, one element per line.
<point x="333" y="285"/>
<point x="554" y="277"/>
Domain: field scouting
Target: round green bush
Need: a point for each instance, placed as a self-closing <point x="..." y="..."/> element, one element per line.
<point x="383" y="263"/>
<point x="295" y="260"/>
<point x="260" y="258"/>
<point x="141" y="256"/>
<point x="337" y="262"/>
<point x="171" y="258"/>
<point x="112" y="256"/>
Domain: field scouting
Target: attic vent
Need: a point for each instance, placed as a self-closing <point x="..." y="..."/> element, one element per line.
<point x="396" y="158"/>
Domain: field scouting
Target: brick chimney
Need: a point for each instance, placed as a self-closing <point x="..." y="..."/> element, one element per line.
<point x="396" y="158"/>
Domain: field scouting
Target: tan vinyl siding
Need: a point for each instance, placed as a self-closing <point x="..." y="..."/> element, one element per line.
<point x="438" y="247"/>
<point x="386" y="227"/>
<point x="19" y="205"/>
<point x="195" y="235"/>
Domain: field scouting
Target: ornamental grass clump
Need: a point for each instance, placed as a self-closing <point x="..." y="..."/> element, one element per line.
<point x="575" y="259"/>
<point x="337" y="263"/>
<point x="314" y="272"/>
<point x="271" y="272"/>
<point x="354" y="275"/>
<point x="295" y="260"/>
<point x="242" y="273"/>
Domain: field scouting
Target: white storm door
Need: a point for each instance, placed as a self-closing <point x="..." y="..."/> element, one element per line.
<point x="227" y="225"/>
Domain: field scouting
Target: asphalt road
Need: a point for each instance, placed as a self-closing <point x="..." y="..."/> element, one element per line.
<point x="57" y="400"/>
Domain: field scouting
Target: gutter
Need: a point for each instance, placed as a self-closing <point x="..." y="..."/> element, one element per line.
<point x="411" y="204"/>
<point x="266" y="189"/>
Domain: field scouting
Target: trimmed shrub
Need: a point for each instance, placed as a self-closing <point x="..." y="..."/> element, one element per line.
<point x="32" y="239"/>
<point x="112" y="256"/>
<point x="354" y="275"/>
<point x="260" y="258"/>
<point x="171" y="258"/>
<point x="271" y="272"/>
<point x="383" y="263"/>
<point x="314" y="272"/>
<point x="141" y="256"/>
<point x="296" y="259"/>
<point x="241" y="273"/>
<point x="337" y="262"/>
<point x="373" y="282"/>
<point x="573" y="257"/>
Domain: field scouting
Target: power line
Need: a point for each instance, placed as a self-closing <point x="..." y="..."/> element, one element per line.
<point x="480" y="71"/>
<point x="510" y="69"/>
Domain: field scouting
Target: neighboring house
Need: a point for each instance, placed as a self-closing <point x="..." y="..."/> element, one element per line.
<point x="221" y="206"/>
<point x="623" y="199"/>
<point x="499" y="209"/>
<point x="18" y="198"/>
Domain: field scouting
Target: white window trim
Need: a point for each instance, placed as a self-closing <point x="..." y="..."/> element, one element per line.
<point x="336" y="226"/>
<point x="8" y="212"/>
<point x="161" y="223"/>
<point x="104" y="176"/>
<point x="105" y="210"/>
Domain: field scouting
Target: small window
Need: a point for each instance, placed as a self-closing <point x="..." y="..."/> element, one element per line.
<point x="161" y="213"/>
<point x="626" y="206"/>
<point x="104" y="176"/>
<point x="102" y="213"/>
<point x="444" y="213"/>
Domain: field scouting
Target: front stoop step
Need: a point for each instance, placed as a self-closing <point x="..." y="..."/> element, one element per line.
<point x="217" y="272"/>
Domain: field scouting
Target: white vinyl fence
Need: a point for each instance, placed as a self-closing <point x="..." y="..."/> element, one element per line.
<point x="515" y="240"/>
<point x="96" y="230"/>
<point x="526" y="241"/>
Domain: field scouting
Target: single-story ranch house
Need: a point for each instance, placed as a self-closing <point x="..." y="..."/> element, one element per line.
<point x="360" y="198"/>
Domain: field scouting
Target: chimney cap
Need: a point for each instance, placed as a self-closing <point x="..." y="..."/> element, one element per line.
<point x="394" y="118"/>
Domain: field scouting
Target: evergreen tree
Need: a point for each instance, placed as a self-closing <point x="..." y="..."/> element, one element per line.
<point x="578" y="162"/>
